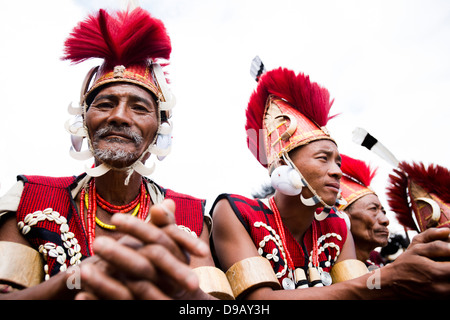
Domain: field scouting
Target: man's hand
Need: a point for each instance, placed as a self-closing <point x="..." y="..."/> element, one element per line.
<point x="150" y="262"/>
<point x="423" y="270"/>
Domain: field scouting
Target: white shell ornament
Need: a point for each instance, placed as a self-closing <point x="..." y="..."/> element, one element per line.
<point x="281" y="180"/>
<point x="288" y="284"/>
<point x="326" y="279"/>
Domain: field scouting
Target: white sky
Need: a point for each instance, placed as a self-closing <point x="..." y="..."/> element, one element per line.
<point x="386" y="64"/>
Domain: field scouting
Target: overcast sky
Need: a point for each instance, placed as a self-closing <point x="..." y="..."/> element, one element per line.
<point x="386" y="64"/>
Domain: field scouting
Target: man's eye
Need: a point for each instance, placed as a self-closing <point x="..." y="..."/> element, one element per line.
<point x="103" y="105"/>
<point x="140" y="108"/>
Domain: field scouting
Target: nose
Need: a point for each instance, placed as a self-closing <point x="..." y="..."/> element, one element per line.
<point x="335" y="170"/>
<point x="383" y="219"/>
<point x="120" y="115"/>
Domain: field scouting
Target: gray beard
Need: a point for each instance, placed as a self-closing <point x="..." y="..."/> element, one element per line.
<point x="116" y="154"/>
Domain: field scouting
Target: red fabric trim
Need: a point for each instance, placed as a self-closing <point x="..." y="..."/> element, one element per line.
<point x="251" y="211"/>
<point x="189" y="211"/>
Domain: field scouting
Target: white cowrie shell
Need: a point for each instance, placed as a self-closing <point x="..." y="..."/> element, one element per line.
<point x="53" y="253"/>
<point x="49" y="246"/>
<point x="26" y="229"/>
<point x="61" y="260"/>
<point x="64" y="228"/>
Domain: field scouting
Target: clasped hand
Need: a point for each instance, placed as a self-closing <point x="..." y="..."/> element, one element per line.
<point x="151" y="260"/>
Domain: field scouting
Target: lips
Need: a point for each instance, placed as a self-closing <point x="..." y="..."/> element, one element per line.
<point x="334" y="185"/>
<point x="382" y="232"/>
<point x="116" y="135"/>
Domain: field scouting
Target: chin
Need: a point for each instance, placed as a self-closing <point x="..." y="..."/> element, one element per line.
<point x="330" y="201"/>
<point x="116" y="158"/>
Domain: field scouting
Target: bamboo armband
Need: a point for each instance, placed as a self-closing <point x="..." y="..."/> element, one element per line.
<point x="20" y="264"/>
<point x="347" y="270"/>
<point x="251" y="273"/>
<point x="214" y="282"/>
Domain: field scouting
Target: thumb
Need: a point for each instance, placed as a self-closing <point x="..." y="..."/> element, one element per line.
<point x="164" y="213"/>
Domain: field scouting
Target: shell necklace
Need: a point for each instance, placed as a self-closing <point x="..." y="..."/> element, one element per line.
<point x="298" y="280"/>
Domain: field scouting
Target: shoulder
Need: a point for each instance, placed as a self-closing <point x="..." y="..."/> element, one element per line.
<point x="56" y="182"/>
<point x="237" y="202"/>
<point x="9" y="202"/>
<point x="169" y="193"/>
<point x="247" y="210"/>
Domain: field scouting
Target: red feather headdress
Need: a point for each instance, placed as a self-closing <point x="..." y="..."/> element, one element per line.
<point x="127" y="41"/>
<point x="420" y="191"/>
<point x="356" y="179"/>
<point x="285" y="111"/>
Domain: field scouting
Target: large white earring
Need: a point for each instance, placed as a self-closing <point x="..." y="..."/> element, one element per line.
<point x="310" y="201"/>
<point x="286" y="180"/>
<point x="163" y="143"/>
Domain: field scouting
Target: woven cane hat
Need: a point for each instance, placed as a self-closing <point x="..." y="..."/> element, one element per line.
<point x="285" y="111"/>
<point x="355" y="182"/>
<point x="134" y="47"/>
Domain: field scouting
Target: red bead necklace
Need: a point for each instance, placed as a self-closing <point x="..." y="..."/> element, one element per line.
<point x="280" y="227"/>
<point x="91" y="199"/>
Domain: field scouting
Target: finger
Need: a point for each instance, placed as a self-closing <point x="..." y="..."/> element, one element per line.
<point x="164" y="213"/>
<point x="147" y="233"/>
<point x="432" y="235"/>
<point x="100" y="285"/>
<point x="176" y="270"/>
<point x="191" y="244"/>
<point x="85" y="296"/>
<point x="145" y="290"/>
<point x="124" y="259"/>
<point x="436" y="250"/>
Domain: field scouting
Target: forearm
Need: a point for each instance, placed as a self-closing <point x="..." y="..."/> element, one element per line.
<point x="55" y="288"/>
<point x="375" y="285"/>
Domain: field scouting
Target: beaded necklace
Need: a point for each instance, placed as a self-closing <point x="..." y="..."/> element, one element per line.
<point x="299" y="277"/>
<point x="140" y="206"/>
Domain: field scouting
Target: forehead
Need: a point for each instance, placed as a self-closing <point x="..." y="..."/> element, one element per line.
<point x="125" y="90"/>
<point x="368" y="199"/>
<point x="314" y="147"/>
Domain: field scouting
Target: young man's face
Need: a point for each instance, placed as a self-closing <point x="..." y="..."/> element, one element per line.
<point x="319" y="163"/>
<point x="122" y="122"/>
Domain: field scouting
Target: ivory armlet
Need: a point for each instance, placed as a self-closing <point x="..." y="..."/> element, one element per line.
<point x="347" y="270"/>
<point x="251" y="273"/>
<point x="214" y="282"/>
<point x="20" y="264"/>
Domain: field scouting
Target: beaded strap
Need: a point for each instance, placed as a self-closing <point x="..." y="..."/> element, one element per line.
<point x="71" y="250"/>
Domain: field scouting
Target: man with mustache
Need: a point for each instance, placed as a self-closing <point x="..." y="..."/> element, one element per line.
<point x="367" y="217"/>
<point x="122" y="234"/>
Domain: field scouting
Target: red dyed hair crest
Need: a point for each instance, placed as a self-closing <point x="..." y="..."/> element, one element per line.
<point x="127" y="41"/>
<point x="356" y="179"/>
<point x="411" y="191"/>
<point x="285" y="111"/>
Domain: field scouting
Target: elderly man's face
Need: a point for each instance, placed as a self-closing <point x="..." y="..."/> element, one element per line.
<point x="122" y="122"/>
<point x="369" y="222"/>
